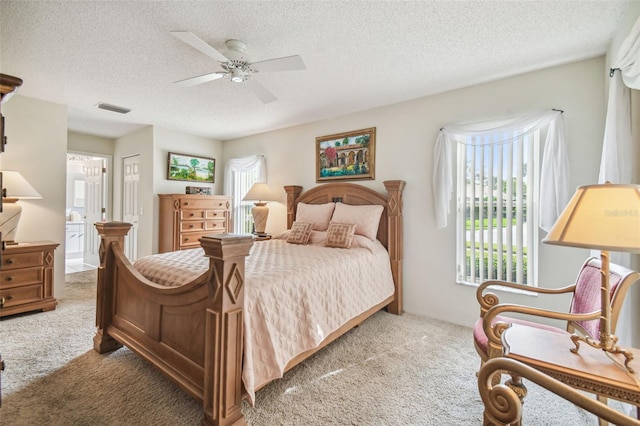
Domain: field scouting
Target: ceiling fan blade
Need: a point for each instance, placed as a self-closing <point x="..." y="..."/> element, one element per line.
<point x="260" y="91"/>
<point x="199" y="44"/>
<point x="200" y="79"/>
<point x="288" y="63"/>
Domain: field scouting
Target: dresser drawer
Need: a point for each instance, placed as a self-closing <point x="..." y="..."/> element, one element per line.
<point x="214" y="225"/>
<point x="191" y="225"/>
<point x="21" y="295"/>
<point x="215" y="214"/>
<point x="21" y="260"/>
<point x="20" y="277"/>
<point x="191" y="214"/>
<point x="191" y="239"/>
<point x="205" y="203"/>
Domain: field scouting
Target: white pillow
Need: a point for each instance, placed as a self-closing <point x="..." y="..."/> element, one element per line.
<point x="318" y="214"/>
<point x="366" y="218"/>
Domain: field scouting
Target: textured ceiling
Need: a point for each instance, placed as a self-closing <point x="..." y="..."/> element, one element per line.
<point x="359" y="55"/>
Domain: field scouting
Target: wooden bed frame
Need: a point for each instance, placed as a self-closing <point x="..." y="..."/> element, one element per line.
<point x="194" y="333"/>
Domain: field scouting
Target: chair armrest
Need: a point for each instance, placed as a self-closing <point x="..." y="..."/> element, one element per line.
<point x="488" y="300"/>
<point x="494" y="333"/>
<point x="502" y="403"/>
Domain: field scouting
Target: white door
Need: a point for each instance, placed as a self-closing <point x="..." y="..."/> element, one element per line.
<point x="94" y="209"/>
<point x="130" y="197"/>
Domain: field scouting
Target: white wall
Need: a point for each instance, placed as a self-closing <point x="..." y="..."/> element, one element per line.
<point x="37" y="147"/>
<point x="405" y="136"/>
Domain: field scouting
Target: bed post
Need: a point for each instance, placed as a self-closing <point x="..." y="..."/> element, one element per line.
<point x="293" y="192"/>
<point x="222" y="390"/>
<point x="395" y="229"/>
<point x="110" y="233"/>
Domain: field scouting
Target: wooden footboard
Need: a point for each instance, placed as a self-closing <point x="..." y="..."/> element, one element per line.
<point x="191" y="333"/>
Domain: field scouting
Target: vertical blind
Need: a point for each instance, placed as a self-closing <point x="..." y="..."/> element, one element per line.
<point x="497" y="220"/>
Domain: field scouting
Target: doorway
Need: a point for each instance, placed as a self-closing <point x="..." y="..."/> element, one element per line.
<point x="86" y="204"/>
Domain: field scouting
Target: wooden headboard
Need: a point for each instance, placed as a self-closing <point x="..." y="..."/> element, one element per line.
<point x="390" y="229"/>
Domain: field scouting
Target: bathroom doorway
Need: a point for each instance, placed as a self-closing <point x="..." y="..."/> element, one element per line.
<point x="87" y="189"/>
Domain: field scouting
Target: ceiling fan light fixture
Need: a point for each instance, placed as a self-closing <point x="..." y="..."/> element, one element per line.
<point x="237" y="76"/>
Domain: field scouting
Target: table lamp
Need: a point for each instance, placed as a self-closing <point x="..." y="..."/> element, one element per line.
<point x="260" y="193"/>
<point x="604" y="217"/>
<point x="15" y="187"/>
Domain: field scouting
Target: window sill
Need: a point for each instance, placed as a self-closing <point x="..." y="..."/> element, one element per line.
<point x="498" y="288"/>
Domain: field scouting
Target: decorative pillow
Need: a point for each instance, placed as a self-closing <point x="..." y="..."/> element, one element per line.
<point x="367" y="218"/>
<point x="299" y="233"/>
<point x="318" y="214"/>
<point x="340" y="235"/>
<point x="319" y="237"/>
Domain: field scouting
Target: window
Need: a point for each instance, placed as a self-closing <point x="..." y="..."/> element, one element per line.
<point x="497" y="221"/>
<point x="509" y="184"/>
<point x="240" y="175"/>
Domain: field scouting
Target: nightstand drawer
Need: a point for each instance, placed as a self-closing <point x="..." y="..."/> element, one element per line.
<point x="19" y="277"/>
<point x="21" y="260"/>
<point x="21" y="295"/>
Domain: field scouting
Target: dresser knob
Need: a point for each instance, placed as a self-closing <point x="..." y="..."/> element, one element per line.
<point x="9" y="278"/>
<point x="9" y="262"/>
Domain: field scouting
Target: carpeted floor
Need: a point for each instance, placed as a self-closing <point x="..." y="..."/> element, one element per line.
<point x="392" y="370"/>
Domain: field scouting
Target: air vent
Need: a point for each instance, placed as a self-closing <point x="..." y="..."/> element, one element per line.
<point x="113" y="108"/>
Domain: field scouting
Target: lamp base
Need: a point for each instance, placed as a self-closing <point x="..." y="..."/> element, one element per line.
<point x="260" y="213"/>
<point x="607" y="343"/>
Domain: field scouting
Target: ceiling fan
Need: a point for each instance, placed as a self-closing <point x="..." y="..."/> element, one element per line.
<point x="236" y="65"/>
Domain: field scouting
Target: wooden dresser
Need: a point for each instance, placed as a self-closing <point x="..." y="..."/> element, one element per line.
<point x="184" y="218"/>
<point x="26" y="278"/>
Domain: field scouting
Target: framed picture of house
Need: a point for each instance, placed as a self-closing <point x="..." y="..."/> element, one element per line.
<point x="346" y="156"/>
<point x="191" y="168"/>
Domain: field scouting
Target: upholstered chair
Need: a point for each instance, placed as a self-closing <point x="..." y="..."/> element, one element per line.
<point x="582" y="317"/>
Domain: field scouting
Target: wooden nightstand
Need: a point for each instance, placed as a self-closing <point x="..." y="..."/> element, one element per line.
<point x="26" y="278"/>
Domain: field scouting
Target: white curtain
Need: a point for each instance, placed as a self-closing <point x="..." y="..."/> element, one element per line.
<point x="244" y="164"/>
<point x="615" y="163"/>
<point x="554" y="169"/>
<point x="235" y="181"/>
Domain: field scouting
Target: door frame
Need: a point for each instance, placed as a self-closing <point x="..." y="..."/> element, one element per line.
<point x="108" y="184"/>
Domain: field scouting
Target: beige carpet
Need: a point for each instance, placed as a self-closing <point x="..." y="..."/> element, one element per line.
<point x="392" y="370"/>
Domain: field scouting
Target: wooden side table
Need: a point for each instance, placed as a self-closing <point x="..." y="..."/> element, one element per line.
<point x="589" y="370"/>
<point x="26" y="278"/>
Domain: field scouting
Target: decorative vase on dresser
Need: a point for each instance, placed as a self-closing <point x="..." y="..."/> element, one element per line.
<point x="185" y="218"/>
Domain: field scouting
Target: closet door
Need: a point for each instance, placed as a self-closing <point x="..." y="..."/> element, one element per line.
<point x="130" y="202"/>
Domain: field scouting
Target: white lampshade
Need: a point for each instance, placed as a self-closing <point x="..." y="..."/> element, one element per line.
<point x="16" y="186"/>
<point x="259" y="192"/>
<point x="601" y="217"/>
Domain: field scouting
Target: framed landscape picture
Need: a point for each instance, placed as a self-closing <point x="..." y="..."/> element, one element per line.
<point x="346" y="156"/>
<point x="191" y="168"/>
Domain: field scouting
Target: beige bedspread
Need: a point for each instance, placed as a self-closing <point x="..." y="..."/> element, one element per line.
<point x="295" y="296"/>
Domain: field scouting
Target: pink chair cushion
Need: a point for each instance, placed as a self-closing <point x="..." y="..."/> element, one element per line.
<point x="482" y="341"/>
<point x="587" y="295"/>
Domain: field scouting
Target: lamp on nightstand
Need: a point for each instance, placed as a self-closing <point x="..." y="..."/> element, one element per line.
<point x="260" y="193"/>
<point x="14" y="187"/>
